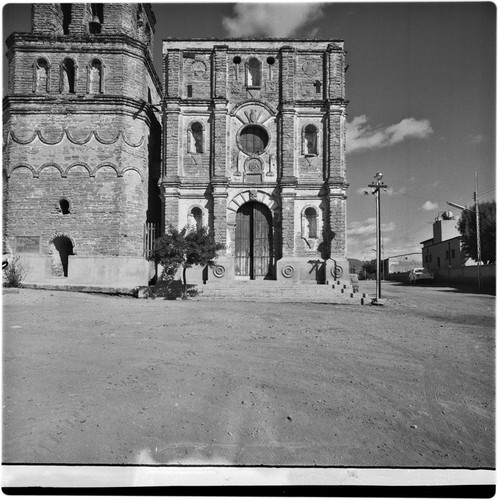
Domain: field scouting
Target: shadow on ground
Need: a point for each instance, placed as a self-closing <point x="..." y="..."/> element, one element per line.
<point x="170" y="290"/>
<point x="447" y="287"/>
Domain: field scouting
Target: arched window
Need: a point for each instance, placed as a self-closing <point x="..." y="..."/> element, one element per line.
<point x="95" y="77"/>
<point x="310" y="142"/>
<point x="196" y="215"/>
<point x="41" y="75"/>
<point x="68" y="76"/>
<point x="253" y="72"/>
<point x="271" y="61"/>
<point x="98" y="12"/>
<point x="66" y="17"/>
<point x="95" y="25"/>
<point x="196" y="138"/>
<point x="310" y="216"/>
<point x="148" y="35"/>
<point x="237" y="60"/>
<point x="64" y="206"/>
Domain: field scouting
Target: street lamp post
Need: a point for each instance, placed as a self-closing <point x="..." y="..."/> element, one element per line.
<point x="376" y="191"/>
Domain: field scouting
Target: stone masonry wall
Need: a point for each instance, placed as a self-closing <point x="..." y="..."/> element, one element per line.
<point x="133" y="19"/>
<point x="298" y="83"/>
<point x="337" y="214"/>
<point x="98" y="210"/>
<point x="105" y="184"/>
<point x="122" y="74"/>
<point x="88" y="149"/>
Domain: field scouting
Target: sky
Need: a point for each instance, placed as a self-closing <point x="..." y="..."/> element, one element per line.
<point x="421" y="86"/>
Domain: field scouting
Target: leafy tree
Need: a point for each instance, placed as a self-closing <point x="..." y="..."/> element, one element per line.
<point x="487" y="226"/>
<point x="370" y="267"/>
<point x="184" y="248"/>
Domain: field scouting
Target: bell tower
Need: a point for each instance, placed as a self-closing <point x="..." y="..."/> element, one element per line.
<point x="82" y="142"/>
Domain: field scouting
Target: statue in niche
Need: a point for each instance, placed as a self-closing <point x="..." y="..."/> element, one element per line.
<point x="95" y="78"/>
<point x="41" y="76"/>
<point x="309" y="227"/>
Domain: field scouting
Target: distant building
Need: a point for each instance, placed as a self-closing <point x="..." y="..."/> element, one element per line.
<point x="399" y="264"/>
<point x="443" y="253"/>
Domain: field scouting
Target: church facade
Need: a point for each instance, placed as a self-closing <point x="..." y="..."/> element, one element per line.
<point x="244" y="137"/>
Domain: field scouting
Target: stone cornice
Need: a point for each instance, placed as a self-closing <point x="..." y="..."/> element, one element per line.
<point x="288" y="181"/>
<point x="254" y="45"/>
<point x="337" y="183"/>
<point x="81" y="104"/>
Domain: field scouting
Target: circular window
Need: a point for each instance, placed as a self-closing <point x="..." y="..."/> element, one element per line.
<point x="270" y="60"/>
<point x="237" y="60"/>
<point x="253" y="139"/>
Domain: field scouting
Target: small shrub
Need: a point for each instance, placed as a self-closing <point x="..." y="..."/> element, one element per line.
<point x="184" y="248"/>
<point x="14" y="274"/>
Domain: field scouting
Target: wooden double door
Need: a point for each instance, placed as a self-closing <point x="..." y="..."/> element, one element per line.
<point x="254" y="241"/>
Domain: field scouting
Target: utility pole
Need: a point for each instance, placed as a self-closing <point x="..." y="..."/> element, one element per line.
<point x="478" y="235"/>
<point x="376" y="191"/>
<point x="478" y="229"/>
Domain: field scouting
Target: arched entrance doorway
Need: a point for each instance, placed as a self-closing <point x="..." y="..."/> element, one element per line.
<point x="65" y="248"/>
<point x="254" y="241"/>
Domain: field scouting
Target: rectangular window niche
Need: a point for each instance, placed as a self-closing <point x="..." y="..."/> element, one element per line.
<point x="27" y="244"/>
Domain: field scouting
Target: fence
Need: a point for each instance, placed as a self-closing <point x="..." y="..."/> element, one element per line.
<point x="151" y="232"/>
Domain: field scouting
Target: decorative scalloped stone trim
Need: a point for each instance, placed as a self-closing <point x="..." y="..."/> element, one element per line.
<point x="66" y="133"/>
<point x="8" y="173"/>
<point x="64" y="172"/>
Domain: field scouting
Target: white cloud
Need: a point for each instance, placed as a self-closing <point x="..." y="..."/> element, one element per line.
<point x="428" y="205"/>
<point x="271" y="19"/>
<point x="362" y="236"/>
<point x="361" y="135"/>
<point x="361" y="228"/>
<point x="390" y="191"/>
<point x="368" y="226"/>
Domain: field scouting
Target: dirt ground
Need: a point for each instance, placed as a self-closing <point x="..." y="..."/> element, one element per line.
<point x="94" y="379"/>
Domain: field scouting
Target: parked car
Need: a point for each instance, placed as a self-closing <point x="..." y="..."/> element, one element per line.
<point x="420" y="274"/>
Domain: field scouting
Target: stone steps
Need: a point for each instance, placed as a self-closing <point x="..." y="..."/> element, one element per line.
<point x="274" y="291"/>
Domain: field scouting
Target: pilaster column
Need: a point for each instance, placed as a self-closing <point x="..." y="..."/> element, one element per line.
<point x="170" y="195"/>
<point x="171" y="143"/>
<point x="220" y="72"/>
<point x="288" y="196"/>
<point x="337" y="218"/>
<point x="219" y="124"/>
<point x="336" y="141"/>
<point x="287" y="146"/>
<point x="287" y="75"/>
<point x="172" y="74"/>
<point x="335" y="71"/>
<point x="287" y="115"/>
<point x="220" y="215"/>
